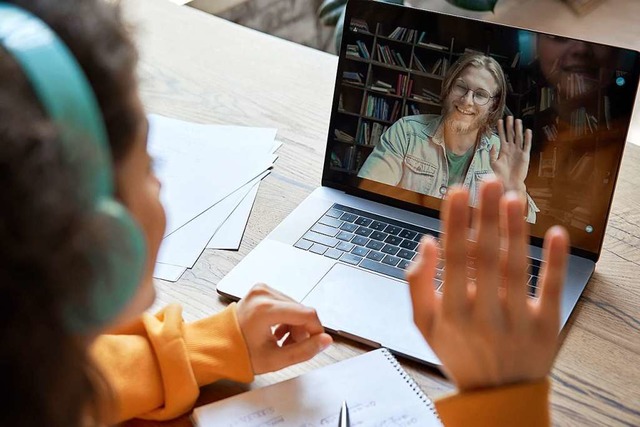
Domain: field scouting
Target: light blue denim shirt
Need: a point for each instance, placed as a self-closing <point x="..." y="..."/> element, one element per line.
<point x="411" y="154"/>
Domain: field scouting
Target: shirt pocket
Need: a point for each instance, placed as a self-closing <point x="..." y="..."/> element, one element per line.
<point x="479" y="178"/>
<point x="418" y="174"/>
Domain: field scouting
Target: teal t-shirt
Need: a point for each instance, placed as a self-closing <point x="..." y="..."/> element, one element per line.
<point x="458" y="165"/>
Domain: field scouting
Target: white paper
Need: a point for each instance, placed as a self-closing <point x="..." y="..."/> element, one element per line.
<point x="199" y="165"/>
<point x="184" y="246"/>
<point x="229" y="235"/>
<point x="170" y="273"/>
<point x="377" y="391"/>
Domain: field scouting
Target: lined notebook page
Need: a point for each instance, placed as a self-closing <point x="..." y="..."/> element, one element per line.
<point x="377" y="390"/>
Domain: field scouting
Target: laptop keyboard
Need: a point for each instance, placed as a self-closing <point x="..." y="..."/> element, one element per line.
<point x="378" y="244"/>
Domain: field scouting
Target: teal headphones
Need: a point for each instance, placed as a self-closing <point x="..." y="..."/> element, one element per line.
<point x="67" y="98"/>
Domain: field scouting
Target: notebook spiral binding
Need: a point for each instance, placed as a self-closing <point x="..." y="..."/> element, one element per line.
<point x="410" y="381"/>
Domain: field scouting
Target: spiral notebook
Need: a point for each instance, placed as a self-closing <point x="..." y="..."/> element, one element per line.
<point x="377" y="390"/>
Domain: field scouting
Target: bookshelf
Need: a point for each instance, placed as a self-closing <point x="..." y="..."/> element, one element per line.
<point x="388" y="73"/>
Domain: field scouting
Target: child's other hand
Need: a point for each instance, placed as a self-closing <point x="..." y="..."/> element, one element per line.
<point x="266" y="316"/>
<point x="483" y="327"/>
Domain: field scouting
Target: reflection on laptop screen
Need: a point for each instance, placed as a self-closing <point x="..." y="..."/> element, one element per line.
<point x="418" y="98"/>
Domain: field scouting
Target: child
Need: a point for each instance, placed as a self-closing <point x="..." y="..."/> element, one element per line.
<point x="76" y="348"/>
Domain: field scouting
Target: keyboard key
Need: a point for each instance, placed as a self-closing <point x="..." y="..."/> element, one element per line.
<point x="333" y="253"/>
<point x="350" y="259"/>
<point x="376" y="256"/>
<point x="407" y="234"/>
<point x="334" y="213"/>
<point x="348" y="217"/>
<point x="404" y="264"/>
<point x="375" y="245"/>
<point x="331" y="222"/>
<point x="363" y="221"/>
<point x="344" y="246"/>
<point x="392" y="229"/>
<point x="326" y="230"/>
<point x="389" y="260"/>
<point x="379" y="235"/>
<point x="360" y="251"/>
<point x="439" y="274"/>
<point x="437" y="284"/>
<point x="533" y="286"/>
<point x="360" y="241"/>
<point x="377" y="225"/>
<point x="392" y="240"/>
<point x="349" y="227"/>
<point x="364" y="231"/>
<point x="408" y="244"/>
<point x="418" y="237"/>
<point x="303" y="244"/>
<point x="389" y="249"/>
<point x="320" y="238"/>
<point x="318" y="249"/>
<point x="406" y="254"/>
<point x="343" y="235"/>
<point x="385" y="269"/>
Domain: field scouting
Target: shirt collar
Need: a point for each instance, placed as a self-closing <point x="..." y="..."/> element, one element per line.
<point x="435" y="131"/>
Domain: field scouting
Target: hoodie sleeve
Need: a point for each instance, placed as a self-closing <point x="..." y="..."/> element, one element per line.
<point x="156" y="365"/>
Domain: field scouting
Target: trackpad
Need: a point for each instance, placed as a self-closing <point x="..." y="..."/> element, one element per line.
<point x="371" y="307"/>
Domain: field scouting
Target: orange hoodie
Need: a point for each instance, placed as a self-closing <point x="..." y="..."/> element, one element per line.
<point x="156" y="366"/>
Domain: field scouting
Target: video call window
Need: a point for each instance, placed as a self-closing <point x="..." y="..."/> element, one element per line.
<point x="575" y="97"/>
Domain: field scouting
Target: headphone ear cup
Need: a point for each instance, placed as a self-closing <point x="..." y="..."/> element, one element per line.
<point x="118" y="265"/>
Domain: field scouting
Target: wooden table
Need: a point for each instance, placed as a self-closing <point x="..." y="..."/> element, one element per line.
<point x="200" y="68"/>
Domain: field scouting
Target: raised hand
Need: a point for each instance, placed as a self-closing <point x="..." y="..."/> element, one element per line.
<point x="484" y="328"/>
<point x="511" y="164"/>
<point x="266" y="316"/>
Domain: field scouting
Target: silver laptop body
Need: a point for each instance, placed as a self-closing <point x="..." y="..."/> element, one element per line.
<point x="310" y="256"/>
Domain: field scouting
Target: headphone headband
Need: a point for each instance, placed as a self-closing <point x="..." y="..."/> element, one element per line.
<point x="69" y="102"/>
<point x="68" y="99"/>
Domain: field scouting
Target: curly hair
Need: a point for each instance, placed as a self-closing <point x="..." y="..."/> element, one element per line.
<point x="45" y="232"/>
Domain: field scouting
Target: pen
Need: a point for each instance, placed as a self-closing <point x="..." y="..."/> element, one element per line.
<point x="344" y="415"/>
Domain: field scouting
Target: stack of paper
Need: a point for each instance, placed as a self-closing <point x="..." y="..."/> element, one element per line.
<point x="210" y="176"/>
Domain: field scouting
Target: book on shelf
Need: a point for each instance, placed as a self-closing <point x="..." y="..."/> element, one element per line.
<point x="353" y="51"/>
<point x="377" y="108"/>
<point x="369" y="133"/>
<point x="426" y="95"/>
<point x="353" y="77"/>
<point x="432" y="45"/>
<point x="395" y="112"/>
<point x="403" y="34"/>
<point x="516" y="60"/>
<point x="377" y="130"/>
<point x="547" y="98"/>
<point x="343" y="136"/>
<point x="404" y="85"/>
<point x="364" y="51"/>
<point x="473" y="51"/>
<point x="411" y="109"/>
<point x="359" y="26"/>
<point x="381" y="86"/>
<point x="399" y="59"/>
<point x="417" y="64"/>
<point x="390" y="56"/>
<point x="398" y="33"/>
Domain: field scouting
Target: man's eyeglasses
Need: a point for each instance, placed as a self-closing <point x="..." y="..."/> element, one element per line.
<point x="480" y="96"/>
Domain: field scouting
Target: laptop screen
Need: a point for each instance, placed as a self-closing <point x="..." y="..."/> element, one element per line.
<point x="417" y="102"/>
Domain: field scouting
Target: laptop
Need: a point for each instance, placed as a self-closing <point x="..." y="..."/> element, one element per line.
<point x="345" y="249"/>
